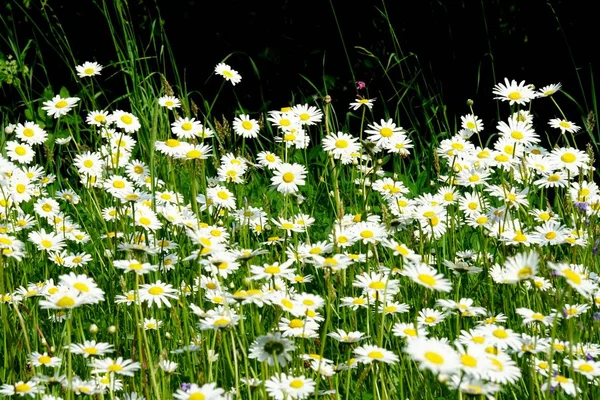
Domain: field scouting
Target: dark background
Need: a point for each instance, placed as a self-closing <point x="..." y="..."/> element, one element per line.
<point x="462" y="47"/>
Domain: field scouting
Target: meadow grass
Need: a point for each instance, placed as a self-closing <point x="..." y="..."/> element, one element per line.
<point x="369" y="249"/>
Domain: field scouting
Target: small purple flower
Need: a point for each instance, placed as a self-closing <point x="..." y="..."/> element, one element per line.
<point x="186" y="386"/>
<point x="589" y="357"/>
<point x="597" y="316"/>
<point x="552" y="389"/>
<point x="582" y="205"/>
<point x="360" y="85"/>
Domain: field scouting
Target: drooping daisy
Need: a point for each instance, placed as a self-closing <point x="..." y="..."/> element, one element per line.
<point x="549" y="90"/>
<point x="564" y="125"/>
<point x="88" y="69"/>
<point x="228" y="73"/>
<point x="360" y="101"/>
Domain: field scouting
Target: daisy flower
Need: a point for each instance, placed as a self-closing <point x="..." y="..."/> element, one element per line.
<point x="471" y="122"/>
<point x="38" y="359"/>
<point x="513" y="92"/>
<point x="549" y="90"/>
<point x="341" y="146"/>
<point x="228" y="73"/>
<point x="118" y="366"/>
<point x="22" y="389"/>
<point x="564" y="125"/>
<point x="125" y="121"/>
<point x="360" y="101"/>
<point x="157" y="293"/>
<point x="272" y="348"/>
<point x="20" y="152"/>
<point x="186" y="128"/>
<point x="91" y="348"/>
<point x="89" y="163"/>
<point x="245" y="126"/>
<point x="570" y="159"/>
<point x="268" y="159"/>
<point x="169" y="102"/>
<point x="287" y="177"/>
<point x="434" y="355"/>
<point x="97" y="118"/>
<point x="31" y="133"/>
<point x="409" y="330"/>
<point x="347" y="337"/>
<point x="88" y="69"/>
<point x="381" y="133"/>
<point x="308" y="115"/>
<point x="59" y="106"/>
<point x="369" y="353"/>
<point x="289" y="387"/>
<point x="562" y="382"/>
<point x="427" y="276"/>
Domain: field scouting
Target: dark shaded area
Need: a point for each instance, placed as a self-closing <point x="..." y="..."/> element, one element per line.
<point x="463" y="47"/>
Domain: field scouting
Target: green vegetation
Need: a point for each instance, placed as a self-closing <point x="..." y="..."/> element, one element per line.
<point x="380" y="249"/>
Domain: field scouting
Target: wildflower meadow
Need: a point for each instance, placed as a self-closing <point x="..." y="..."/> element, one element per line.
<point x="349" y="247"/>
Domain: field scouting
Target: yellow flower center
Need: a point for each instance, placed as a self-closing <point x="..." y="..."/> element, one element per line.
<point x="341" y="143"/>
<point x="22" y="388"/>
<point x="44" y="360"/>
<point x="288" y="177"/>
<point x="586" y="368"/>
<point x="568" y="158"/>
<point x="82" y="287"/>
<point x="517" y="135"/>
<point x="434" y="357"/>
<point x="386" y="132"/>
<point x="247" y="125"/>
<point x="65" y="302"/>
<point x="186" y="126"/>
<point x="223" y="195"/>
<point x="378" y="285"/>
<point x="272" y="270"/>
<point x="156" y="290"/>
<point x="366" y="234"/>
<point x="500" y="333"/>
<point x="572" y="276"/>
<point x="172" y="143"/>
<point x="28" y="132"/>
<point x="514" y="95"/>
<point x="524" y="273"/>
<point x="88" y="71"/>
<point x="376" y="355"/>
<point x="61" y="104"/>
<point x="468" y="361"/>
<point x="296" y="323"/>
<point x="427" y="279"/>
<point x="126" y="119"/>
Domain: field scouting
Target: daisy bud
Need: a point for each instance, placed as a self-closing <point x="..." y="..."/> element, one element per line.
<point x="52" y="349"/>
<point x="10" y="128"/>
<point x="44" y="341"/>
<point x="327" y="99"/>
<point x="354" y="161"/>
<point x="379" y="161"/>
<point x="232" y="285"/>
<point x="112" y="329"/>
<point x="470" y="102"/>
<point x="168" y="335"/>
<point x="93" y="329"/>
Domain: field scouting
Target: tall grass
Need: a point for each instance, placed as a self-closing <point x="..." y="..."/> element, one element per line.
<point x="187" y="265"/>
